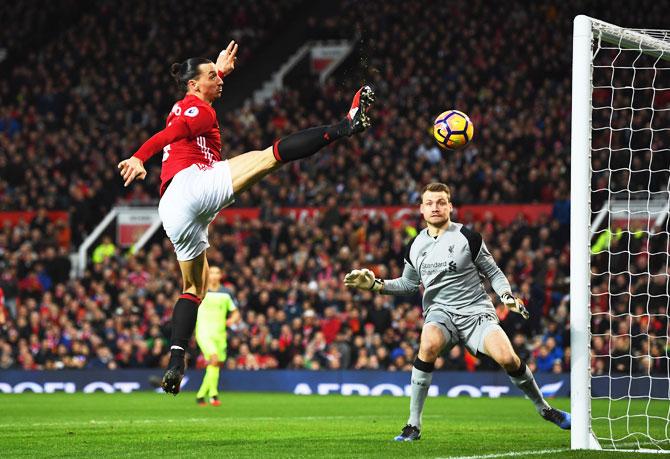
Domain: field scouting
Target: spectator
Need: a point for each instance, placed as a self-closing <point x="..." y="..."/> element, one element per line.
<point x="106" y="249"/>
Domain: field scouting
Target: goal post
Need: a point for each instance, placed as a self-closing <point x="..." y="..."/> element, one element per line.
<point x="619" y="267"/>
<point x="580" y="222"/>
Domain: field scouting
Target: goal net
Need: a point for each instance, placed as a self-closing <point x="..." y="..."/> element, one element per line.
<point x="619" y="238"/>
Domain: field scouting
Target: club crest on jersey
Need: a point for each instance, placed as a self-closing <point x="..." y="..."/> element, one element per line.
<point x="451" y="249"/>
<point x="191" y="112"/>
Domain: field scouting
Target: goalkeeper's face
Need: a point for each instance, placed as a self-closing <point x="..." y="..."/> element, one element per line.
<point x="436" y="208"/>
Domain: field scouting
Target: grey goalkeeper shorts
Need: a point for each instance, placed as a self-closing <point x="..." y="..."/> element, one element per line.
<point x="469" y="330"/>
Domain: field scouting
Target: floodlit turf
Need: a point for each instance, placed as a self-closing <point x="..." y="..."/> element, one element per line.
<point x="272" y="426"/>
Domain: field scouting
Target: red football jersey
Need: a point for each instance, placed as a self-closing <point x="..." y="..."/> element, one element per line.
<point x="202" y="146"/>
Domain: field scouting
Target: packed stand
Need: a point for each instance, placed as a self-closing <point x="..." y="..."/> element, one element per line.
<point x="629" y="302"/>
<point x="103" y="87"/>
<point x="425" y="58"/>
<point x="286" y="276"/>
<point x="98" y="96"/>
<point x="28" y="25"/>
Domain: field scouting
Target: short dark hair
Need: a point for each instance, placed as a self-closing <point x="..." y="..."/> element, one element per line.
<point x="436" y="186"/>
<point x="187" y="70"/>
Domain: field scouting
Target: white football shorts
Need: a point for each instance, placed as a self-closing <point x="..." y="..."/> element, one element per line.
<point x="192" y="200"/>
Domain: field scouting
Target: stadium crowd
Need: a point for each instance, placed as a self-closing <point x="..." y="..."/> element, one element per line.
<point x="629" y="302"/>
<point x="102" y="87"/>
<point x="287" y="278"/>
<point x="97" y="97"/>
<point x="96" y="101"/>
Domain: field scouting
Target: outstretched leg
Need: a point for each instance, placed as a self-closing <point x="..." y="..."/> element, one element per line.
<point x="249" y="168"/>
<point x="498" y="347"/>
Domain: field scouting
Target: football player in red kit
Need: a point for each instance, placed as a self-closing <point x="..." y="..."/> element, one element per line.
<point x="196" y="183"/>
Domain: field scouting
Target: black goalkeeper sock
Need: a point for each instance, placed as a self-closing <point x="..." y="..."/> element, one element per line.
<point x="183" y="323"/>
<point x="305" y="143"/>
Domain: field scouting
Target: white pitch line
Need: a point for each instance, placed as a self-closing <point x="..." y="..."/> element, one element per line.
<point x="547" y="451"/>
<point x="511" y="454"/>
<point x="94" y="422"/>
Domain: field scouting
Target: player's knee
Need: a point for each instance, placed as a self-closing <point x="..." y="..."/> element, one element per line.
<point x="432" y="342"/>
<point x="430" y="349"/>
<point x="510" y="362"/>
<point x="195" y="288"/>
<point x="191" y="287"/>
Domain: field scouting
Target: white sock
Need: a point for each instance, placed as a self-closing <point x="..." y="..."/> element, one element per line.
<point x="420" y="383"/>
<point x="526" y="382"/>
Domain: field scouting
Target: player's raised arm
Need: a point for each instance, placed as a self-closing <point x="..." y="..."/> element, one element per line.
<point x="225" y="63"/>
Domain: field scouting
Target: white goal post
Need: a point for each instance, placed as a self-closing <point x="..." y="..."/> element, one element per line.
<point x="619" y="239"/>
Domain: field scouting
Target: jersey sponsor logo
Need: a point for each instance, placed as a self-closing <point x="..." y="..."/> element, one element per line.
<point x="439" y="266"/>
<point x="166" y="152"/>
<point x="192" y="112"/>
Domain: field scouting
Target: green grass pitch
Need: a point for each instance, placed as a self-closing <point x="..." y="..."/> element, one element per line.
<point x="273" y="426"/>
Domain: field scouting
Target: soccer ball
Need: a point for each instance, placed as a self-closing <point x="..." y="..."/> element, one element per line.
<point x="453" y="130"/>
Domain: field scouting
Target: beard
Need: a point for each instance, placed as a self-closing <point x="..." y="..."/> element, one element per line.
<point x="437" y="221"/>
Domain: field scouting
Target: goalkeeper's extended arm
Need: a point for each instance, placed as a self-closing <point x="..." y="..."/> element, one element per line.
<point x="486" y="264"/>
<point x="514" y="304"/>
<point x="365" y="279"/>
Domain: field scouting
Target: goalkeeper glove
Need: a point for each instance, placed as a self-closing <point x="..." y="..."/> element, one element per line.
<point x="514" y="304"/>
<point x="363" y="279"/>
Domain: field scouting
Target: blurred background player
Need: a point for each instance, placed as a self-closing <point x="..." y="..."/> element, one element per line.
<point x="196" y="183"/>
<point x="210" y="333"/>
<point x="450" y="261"/>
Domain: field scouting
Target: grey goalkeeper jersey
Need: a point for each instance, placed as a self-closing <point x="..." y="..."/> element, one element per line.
<point x="451" y="269"/>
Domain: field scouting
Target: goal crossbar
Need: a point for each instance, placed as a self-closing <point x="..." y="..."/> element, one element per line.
<point x="634" y="39"/>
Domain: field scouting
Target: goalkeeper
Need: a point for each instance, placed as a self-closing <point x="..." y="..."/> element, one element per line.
<point x="449" y="260"/>
<point x="210" y="333"/>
